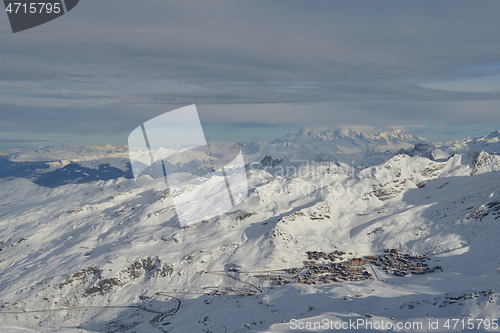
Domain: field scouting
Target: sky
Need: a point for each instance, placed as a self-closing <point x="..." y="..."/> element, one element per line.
<point x="256" y="70"/>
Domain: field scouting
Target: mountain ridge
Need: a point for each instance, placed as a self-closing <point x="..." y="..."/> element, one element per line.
<point x="58" y="165"/>
<point x="110" y="243"/>
<point x="332" y="134"/>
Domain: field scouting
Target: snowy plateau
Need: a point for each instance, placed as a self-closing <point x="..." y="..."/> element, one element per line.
<point x="98" y="253"/>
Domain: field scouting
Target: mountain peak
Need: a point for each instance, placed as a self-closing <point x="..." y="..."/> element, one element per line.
<point x="489" y="143"/>
<point x="350" y="134"/>
<point x="494" y="134"/>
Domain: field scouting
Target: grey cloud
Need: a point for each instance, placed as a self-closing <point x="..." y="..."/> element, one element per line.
<point x="107" y="65"/>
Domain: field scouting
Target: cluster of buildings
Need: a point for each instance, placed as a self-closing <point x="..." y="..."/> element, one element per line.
<point x="321" y="268"/>
<point x="403" y="264"/>
<point x="491" y="296"/>
<point x="314" y="273"/>
<point x="318" y="255"/>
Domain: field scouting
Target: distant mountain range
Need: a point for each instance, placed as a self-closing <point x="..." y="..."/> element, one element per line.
<point x="110" y="256"/>
<point x="489" y="143"/>
<point x="59" y="165"/>
<point x="335" y="145"/>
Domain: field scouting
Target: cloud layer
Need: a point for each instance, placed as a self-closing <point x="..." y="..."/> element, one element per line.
<point x="107" y="66"/>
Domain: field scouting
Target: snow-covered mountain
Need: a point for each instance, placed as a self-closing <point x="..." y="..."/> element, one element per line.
<point x="345" y="146"/>
<point x="426" y="150"/>
<point x="489" y="143"/>
<point x="345" y="141"/>
<point x="69" y="153"/>
<point x="108" y="256"/>
<point x="59" y="165"/>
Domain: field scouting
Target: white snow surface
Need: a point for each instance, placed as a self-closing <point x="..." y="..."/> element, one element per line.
<point x="345" y="146"/>
<point x="70" y="153"/>
<point x="93" y="257"/>
<point x="489" y="143"/>
<point x="326" y="145"/>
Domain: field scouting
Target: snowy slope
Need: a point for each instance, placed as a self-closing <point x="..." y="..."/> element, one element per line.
<point x="345" y="146"/>
<point x="326" y="145"/>
<point x="109" y="256"/>
<point x="69" y="153"/>
<point x="60" y="165"/>
<point x="489" y="143"/>
<point x="426" y="150"/>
